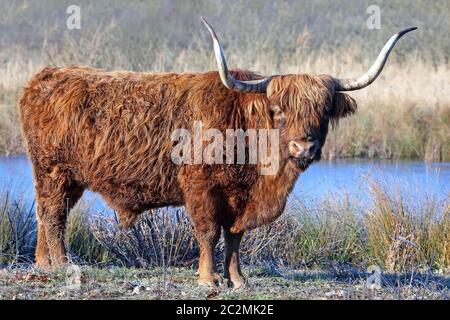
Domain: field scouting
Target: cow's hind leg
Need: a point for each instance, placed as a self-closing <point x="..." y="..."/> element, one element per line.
<point x="42" y="253"/>
<point x="56" y="195"/>
<point x="232" y="266"/>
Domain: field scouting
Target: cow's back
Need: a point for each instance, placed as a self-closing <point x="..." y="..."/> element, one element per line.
<point x="110" y="131"/>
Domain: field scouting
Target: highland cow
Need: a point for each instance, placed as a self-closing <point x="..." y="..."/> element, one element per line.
<point x="110" y="132"/>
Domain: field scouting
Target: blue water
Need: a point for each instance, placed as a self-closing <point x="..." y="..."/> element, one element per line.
<point x="413" y="179"/>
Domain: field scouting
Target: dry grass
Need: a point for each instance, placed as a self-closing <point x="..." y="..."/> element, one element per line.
<point x="162" y="237"/>
<point x="181" y="284"/>
<point x="388" y="232"/>
<point x="17" y="230"/>
<point x="319" y="252"/>
<point x="81" y="241"/>
<point x="405" y="114"/>
<point x="401" y="238"/>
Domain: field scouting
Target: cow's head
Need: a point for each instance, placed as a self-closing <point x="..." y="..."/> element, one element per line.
<point x="302" y="106"/>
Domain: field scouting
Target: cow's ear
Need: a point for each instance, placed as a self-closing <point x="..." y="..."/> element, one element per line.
<point x="343" y="105"/>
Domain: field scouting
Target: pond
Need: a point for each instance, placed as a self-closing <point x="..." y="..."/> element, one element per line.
<point x="353" y="178"/>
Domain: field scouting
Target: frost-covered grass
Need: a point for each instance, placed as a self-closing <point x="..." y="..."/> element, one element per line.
<point x="180" y="283"/>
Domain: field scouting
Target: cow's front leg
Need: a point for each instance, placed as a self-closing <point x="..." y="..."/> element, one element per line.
<point x="203" y="204"/>
<point x="208" y="235"/>
<point x="232" y="266"/>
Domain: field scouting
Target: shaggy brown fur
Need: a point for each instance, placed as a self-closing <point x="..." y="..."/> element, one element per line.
<point x="110" y="132"/>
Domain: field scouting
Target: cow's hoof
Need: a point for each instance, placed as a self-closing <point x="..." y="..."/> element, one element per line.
<point x="214" y="280"/>
<point x="44" y="265"/>
<point x="239" y="283"/>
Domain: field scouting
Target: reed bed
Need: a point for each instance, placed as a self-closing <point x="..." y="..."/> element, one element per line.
<point x="404" y="114"/>
<point x="387" y="232"/>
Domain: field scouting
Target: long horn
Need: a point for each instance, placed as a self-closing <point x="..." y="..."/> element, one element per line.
<point x="375" y="69"/>
<point x="226" y="77"/>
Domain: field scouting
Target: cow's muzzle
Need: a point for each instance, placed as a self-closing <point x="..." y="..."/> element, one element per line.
<point x="305" y="152"/>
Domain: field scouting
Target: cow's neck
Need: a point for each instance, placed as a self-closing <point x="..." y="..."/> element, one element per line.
<point x="268" y="198"/>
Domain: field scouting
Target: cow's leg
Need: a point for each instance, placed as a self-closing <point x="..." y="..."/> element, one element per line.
<point x="232" y="267"/>
<point x="207" y="236"/>
<point x="56" y="195"/>
<point x="202" y="207"/>
<point x="205" y="205"/>
<point x="126" y="218"/>
<point x="42" y="253"/>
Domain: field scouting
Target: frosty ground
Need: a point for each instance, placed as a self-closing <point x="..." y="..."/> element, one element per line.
<point x="265" y="283"/>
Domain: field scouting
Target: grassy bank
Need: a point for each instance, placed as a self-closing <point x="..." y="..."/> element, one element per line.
<point x="181" y="283"/>
<point x="404" y="114"/>
<point x="321" y="250"/>
<point x="387" y="232"/>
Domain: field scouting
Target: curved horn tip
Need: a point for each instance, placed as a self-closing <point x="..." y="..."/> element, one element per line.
<point x="203" y="20"/>
<point x="375" y="69"/>
<point x="258" y="86"/>
<point x="208" y="26"/>
<point x="401" y="33"/>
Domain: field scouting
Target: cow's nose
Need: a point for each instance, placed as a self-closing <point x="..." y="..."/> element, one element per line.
<point x="296" y="149"/>
<point x="313" y="149"/>
<point x="306" y="150"/>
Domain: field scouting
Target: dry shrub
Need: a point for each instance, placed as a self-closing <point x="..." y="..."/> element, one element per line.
<point x="392" y="232"/>
<point x="161" y="237"/>
<point x="17" y="230"/>
<point x="301" y="237"/>
<point x="82" y="245"/>
<point x="401" y="237"/>
<point x="308" y="237"/>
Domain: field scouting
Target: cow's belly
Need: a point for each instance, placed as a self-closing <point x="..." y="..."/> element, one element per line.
<point x="129" y="198"/>
<point x="139" y="195"/>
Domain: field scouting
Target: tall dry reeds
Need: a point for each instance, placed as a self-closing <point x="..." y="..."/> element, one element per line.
<point x="17" y="230"/>
<point x="404" y="114"/>
<point x="402" y="236"/>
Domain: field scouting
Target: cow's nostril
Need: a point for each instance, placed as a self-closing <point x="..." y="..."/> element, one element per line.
<point x="296" y="147"/>
<point x="312" y="149"/>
